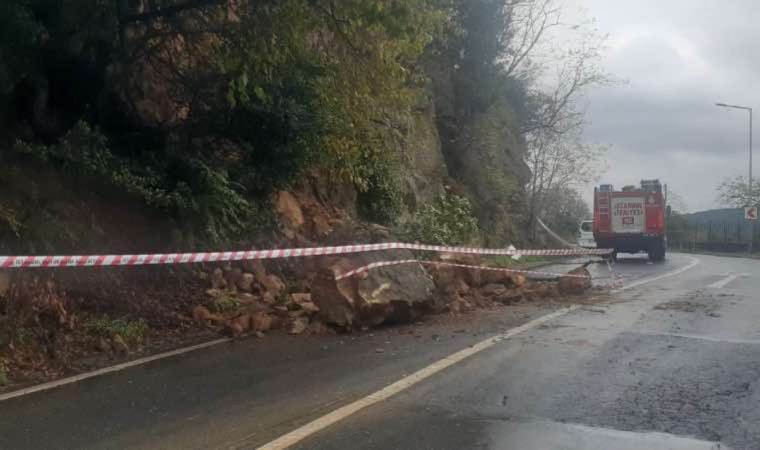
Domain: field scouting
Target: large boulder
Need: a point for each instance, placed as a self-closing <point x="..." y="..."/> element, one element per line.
<point x="399" y="293"/>
<point x="578" y="283"/>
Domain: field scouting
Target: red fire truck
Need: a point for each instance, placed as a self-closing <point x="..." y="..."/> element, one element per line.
<point x="631" y="220"/>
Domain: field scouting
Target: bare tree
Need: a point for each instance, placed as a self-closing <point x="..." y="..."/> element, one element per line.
<point x="530" y="21"/>
<point x="735" y="192"/>
<point x="559" y="62"/>
<point x="559" y="161"/>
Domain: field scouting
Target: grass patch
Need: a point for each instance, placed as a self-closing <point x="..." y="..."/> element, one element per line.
<point x="133" y="331"/>
<point x="224" y="304"/>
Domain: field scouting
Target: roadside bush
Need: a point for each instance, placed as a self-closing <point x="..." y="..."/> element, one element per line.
<point x="224" y="304"/>
<point x="447" y="221"/>
<point x="132" y="331"/>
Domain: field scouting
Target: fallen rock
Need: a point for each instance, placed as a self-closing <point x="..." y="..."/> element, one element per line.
<point x="518" y="279"/>
<point x="304" y="302"/>
<point x="317" y="327"/>
<point x="268" y="298"/>
<point x="201" y="314"/>
<point x="103" y="345"/>
<point x="234" y="329"/>
<point x="233" y="277"/>
<point x="395" y="294"/>
<point x="245" y="282"/>
<point x="299" y="298"/>
<point x="240" y="325"/>
<point x="472" y="277"/>
<point x="261" y="321"/>
<point x="510" y="296"/>
<point x="246" y="298"/>
<point x="271" y="283"/>
<point x="298" y="325"/>
<point x="245" y="321"/>
<point x="217" y="279"/>
<point x="491" y="290"/>
<point x="577" y="284"/>
<point x="118" y="345"/>
<point x="214" y="293"/>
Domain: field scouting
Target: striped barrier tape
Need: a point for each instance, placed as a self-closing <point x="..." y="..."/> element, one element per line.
<point x="375" y="265"/>
<point x="10" y="262"/>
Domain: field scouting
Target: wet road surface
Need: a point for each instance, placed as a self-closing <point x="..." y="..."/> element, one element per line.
<point x="669" y="364"/>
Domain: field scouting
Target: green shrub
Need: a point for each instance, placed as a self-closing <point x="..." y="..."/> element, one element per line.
<point x="447" y="221"/>
<point x="187" y="189"/>
<point x="132" y="331"/>
<point x="225" y="303"/>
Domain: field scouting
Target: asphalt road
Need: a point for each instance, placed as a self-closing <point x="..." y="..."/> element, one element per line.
<point x="673" y="363"/>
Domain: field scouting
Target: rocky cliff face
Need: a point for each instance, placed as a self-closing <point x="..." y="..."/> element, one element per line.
<point x="425" y="177"/>
<point x="483" y="151"/>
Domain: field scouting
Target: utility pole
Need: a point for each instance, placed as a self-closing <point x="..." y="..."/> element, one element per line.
<point x="751" y="199"/>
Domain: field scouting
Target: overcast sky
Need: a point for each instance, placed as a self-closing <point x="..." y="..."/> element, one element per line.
<point x="678" y="57"/>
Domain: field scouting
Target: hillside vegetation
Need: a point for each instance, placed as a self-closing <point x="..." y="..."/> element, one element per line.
<point x="183" y="117"/>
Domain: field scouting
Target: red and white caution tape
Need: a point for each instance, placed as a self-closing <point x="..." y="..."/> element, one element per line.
<point x="183" y="258"/>
<point x="375" y="265"/>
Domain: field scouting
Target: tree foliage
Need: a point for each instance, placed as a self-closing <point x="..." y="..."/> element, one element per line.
<point x="735" y="192"/>
<point x="447" y="221"/>
<point x="564" y="210"/>
<point x="202" y="108"/>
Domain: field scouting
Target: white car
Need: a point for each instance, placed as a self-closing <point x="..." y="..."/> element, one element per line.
<point x="586" y="234"/>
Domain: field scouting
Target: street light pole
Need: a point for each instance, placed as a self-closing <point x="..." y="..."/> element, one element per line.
<point x="749" y="181"/>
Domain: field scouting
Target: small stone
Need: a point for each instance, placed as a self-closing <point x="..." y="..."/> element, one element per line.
<point x="245" y="282"/>
<point x="103" y="345"/>
<point x="298" y="325"/>
<point x="217" y="279"/>
<point x="243" y="322"/>
<point x="235" y="329"/>
<point x="518" y="279"/>
<point x="201" y="314"/>
<point x="261" y="321"/>
<point x="118" y="344"/>
<point x="214" y="293"/>
<point x="379" y="350"/>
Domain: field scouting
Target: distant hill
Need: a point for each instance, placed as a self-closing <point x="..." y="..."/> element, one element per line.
<point x="724" y="215"/>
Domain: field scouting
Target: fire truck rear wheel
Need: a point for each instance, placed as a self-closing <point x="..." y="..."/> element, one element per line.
<point x="657" y="251"/>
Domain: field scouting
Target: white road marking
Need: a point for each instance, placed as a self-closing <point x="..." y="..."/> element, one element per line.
<point x="341" y="413"/>
<point x="723" y="282"/>
<point x="729" y="278"/>
<point x="105" y="370"/>
<point x="694" y="262"/>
